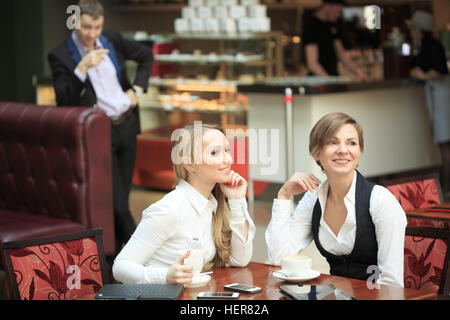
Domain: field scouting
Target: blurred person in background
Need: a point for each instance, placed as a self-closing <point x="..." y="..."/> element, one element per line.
<point x="430" y="65"/>
<point x="323" y="46"/>
<point x="430" y="61"/>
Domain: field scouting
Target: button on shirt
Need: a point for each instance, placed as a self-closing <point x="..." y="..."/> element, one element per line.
<point x="110" y="96"/>
<point x="169" y="224"/>
<point x="288" y="234"/>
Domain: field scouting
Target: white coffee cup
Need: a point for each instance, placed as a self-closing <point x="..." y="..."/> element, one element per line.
<point x="296" y="265"/>
<point x="195" y="259"/>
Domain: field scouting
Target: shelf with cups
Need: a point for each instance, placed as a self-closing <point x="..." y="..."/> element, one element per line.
<point x="271" y="59"/>
<point x="211" y="59"/>
<point x="222" y="35"/>
<point x="158" y="7"/>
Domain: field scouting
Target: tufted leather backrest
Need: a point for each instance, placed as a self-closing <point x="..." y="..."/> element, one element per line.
<point x="56" y="162"/>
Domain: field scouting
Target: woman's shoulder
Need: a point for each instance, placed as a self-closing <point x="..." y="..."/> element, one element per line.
<point x="168" y="205"/>
<point x="382" y="193"/>
<point x="382" y="196"/>
<point x="383" y="204"/>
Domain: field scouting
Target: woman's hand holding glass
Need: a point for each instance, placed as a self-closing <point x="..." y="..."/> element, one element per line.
<point x="298" y="183"/>
<point x="235" y="188"/>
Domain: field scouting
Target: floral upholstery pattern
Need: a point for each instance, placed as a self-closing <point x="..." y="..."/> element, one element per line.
<point x="416" y="194"/>
<point x="424" y="258"/>
<point x="57" y="271"/>
<point x="423" y="263"/>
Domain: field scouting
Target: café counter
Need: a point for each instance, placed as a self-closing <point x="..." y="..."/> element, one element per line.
<point x="392" y="113"/>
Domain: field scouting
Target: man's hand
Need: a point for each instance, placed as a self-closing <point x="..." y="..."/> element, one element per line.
<point x="133" y="98"/>
<point x="92" y="59"/>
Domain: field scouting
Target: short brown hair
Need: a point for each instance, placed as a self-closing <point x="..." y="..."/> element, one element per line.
<point x="92" y="8"/>
<point x="327" y="127"/>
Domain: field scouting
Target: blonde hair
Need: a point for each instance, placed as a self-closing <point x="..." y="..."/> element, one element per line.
<point x="327" y="127"/>
<point x="189" y="140"/>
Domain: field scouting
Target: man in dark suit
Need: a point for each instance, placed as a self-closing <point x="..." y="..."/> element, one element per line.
<point x="89" y="70"/>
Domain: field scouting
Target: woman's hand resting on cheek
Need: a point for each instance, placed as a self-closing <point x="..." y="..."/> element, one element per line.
<point x="236" y="188"/>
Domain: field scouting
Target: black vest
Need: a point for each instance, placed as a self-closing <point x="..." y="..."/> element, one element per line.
<point x="365" y="250"/>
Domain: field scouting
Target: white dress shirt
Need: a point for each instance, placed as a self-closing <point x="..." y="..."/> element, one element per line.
<point x="110" y="96"/>
<point x="169" y="224"/>
<point x="288" y="234"/>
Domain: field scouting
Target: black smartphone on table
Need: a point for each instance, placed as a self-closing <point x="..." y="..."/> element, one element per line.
<point x="242" y="288"/>
<point x="218" y="295"/>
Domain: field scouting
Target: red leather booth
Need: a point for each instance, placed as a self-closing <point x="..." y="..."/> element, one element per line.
<point x="55" y="172"/>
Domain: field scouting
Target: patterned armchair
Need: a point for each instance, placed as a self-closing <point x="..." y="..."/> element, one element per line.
<point x="417" y="192"/>
<point x="413" y="193"/>
<point x="426" y="252"/>
<point x="63" y="267"/>
<point x="426" y="262"/>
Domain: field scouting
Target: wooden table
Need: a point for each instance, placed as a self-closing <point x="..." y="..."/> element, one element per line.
<point x="260" y="275"/>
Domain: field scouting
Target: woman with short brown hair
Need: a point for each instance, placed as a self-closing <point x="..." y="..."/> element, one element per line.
<point x="354" y="223"/>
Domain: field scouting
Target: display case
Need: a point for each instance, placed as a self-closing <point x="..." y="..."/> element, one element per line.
<point x="209" y="68"/>
<point x="232" y="49"/>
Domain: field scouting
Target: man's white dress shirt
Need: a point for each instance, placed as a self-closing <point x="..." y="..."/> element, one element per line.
<point x="110" y="96"/>
<point x="288" y="234"/>
<point x="169" y="224"/>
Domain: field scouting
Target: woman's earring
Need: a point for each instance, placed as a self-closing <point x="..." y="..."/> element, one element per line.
<point x="193" y="172"/>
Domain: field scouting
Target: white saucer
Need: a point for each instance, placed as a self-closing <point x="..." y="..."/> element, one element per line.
<point x="311" y="274"/>
<point x="199" y="281"/>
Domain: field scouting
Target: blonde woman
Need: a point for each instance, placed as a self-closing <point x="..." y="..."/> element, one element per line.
<point x="357" y="226"/>
<point x="196" y="210"/>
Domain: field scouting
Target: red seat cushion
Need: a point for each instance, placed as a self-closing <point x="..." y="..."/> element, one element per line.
<point x="19" y="226"/>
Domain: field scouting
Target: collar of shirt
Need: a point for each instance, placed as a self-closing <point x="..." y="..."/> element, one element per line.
<point x="322" y="193"/>
<point x="81" y="48"/>
<point x="198" y="201"/>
